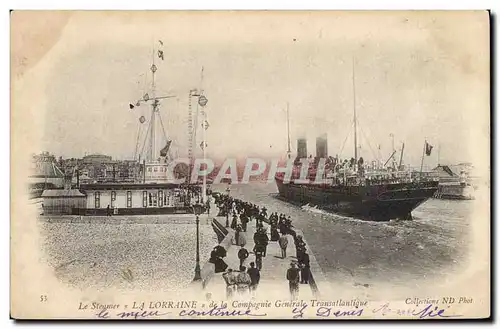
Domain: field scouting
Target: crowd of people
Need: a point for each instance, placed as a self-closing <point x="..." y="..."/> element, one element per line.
<point x="245" y="281"/>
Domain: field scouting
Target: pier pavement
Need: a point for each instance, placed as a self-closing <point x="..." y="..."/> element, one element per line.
<point x="273" y="282"/>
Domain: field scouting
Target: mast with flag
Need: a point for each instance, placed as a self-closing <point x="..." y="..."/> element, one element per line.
<point x="426" y="152"/>
<point x="154" y="100"/>
<point x="202" y="102"/>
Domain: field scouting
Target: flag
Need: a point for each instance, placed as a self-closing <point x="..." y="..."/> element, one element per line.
<point x="428" y="149"/>
<point x="131" y="106"/>
<point x="161" y="42"/>
<point x="160" y="54"/>
<point x="164" y="151"/>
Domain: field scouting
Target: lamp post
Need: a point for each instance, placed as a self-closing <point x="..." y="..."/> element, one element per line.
<point x="197" y="208"/>
<point x="227" y="205"/>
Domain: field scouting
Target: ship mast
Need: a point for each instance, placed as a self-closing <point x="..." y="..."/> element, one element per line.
<point x="393" y="151"/>
<point x="155" y="103"/>
<point x="355" y="120"/>
<point x="204" y="142"/>
<point x="153" y="112"/>
<point x="288" y="130"/>
<point x="401" y="157"/>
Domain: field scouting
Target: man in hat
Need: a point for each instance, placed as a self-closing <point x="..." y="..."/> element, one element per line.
<point x="263" y="240"/>
<point x="258" y="251"/>
<point x="292" y="275"/>
<point x="254" y="276"/>
<point x="242" y="255"/>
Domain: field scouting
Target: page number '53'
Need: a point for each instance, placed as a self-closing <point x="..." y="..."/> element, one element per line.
<point x="43" y="298"/>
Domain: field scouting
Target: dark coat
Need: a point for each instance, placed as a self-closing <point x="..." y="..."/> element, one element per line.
<point x="254" y="275"/>
<point x="293" y="275"/>
<point x="242" y="253"/>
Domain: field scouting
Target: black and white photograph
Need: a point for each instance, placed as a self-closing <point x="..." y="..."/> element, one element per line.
<point x="250" y="165"/>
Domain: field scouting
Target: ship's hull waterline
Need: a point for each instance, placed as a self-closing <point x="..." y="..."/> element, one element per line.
<point x="378" y="202"/>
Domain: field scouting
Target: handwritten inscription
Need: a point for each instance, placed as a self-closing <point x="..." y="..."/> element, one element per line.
<point x="139" y="315"/>
<point x="104" y="314"/>
<point x="298" y="312"/>
<point x="427" y="312"/>
<point x="221" y="311"/>
<point x="325" y="312"/>
<point x="299" y="309"/>
<point x="329" y="312"/>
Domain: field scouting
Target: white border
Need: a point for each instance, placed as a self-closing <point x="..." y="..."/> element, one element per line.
<point x="177" y="5"/>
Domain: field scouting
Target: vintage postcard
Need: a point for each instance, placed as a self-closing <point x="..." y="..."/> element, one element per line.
<point x="250" y="165"/>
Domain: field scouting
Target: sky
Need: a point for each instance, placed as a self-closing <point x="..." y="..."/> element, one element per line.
<point x="419" y="76"/>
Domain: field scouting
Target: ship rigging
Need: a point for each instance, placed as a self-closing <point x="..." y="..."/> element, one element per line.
<point x="149" y="153"/>
<point x="154" y="100"/>
<point x="349" y="188"/>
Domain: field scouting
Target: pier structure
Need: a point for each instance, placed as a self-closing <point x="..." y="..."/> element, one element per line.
<point x="273" y="282"/>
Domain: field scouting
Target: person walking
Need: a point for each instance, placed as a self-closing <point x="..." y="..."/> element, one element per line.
<point x="237" y="232"/>
<point x="242" y="255"/>
<point x="283" y="242"/>
<point x="305" y="268"/>
<point x="292" y="275"/>
<point x="234" y="222"/>
<point x="254" y="276"/>
<point x="258" y="251"/>
<point x="230" y="279"/>
<point x="264" y="240"/>
<point x="244" y="222"/>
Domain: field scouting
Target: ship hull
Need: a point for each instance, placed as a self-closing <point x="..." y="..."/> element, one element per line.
<point x="373" y="202"/>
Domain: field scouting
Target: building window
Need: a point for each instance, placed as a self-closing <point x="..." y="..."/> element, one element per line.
<point x="144" y="198"/>
<point x="149" y="169"/>
<point x="153" y="199"/>
<point x="156" y="169"/>
<point x="97" y="199"/>
<point x="113" y="199"/>
<point x="160" y="198"/>
<point x="129" y="199"/>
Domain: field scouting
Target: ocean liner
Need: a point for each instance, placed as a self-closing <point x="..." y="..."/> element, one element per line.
<point x="352" y="188"/>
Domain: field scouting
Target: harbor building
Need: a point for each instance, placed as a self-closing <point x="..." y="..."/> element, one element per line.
<point x="63" y="202"/>
<point x="45" y="174"/>
<point x="137" y="199"/>
<point x="131" y="187"/>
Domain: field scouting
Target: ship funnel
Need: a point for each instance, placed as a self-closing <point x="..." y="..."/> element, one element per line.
<point x="301" y="148"/>
<point x="321" y="146"/>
